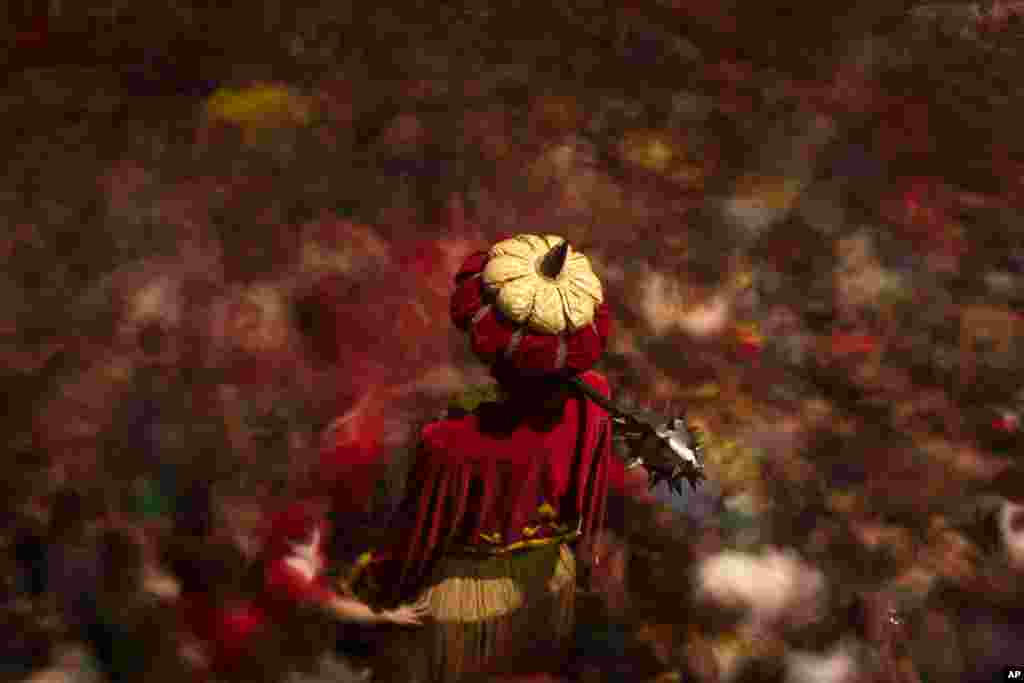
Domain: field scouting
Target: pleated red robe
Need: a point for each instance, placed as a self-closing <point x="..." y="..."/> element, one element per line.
<point x="473" y="490"/>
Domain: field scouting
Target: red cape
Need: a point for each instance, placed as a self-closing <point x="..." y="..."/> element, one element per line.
<point x="470" y="486"/>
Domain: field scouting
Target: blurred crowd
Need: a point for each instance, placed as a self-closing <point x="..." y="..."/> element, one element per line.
<point x="220" y="269"/>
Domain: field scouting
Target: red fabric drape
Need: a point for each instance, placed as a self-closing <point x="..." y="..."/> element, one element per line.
<point x="467" y="482"/>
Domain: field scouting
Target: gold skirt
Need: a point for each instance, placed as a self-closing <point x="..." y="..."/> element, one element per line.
<point x="487" y="615"/>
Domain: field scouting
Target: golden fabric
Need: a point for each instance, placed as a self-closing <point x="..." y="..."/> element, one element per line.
<point x="487" y="614"/>
<point x="495" y="547"/>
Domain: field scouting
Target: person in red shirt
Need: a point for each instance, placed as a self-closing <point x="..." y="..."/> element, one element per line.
<point x="498" y="495"/>
<point x="231" y="633"/>
<point x="298" y="595"/>
<point x="221" y="628"/>
<point x="295" y="577"/>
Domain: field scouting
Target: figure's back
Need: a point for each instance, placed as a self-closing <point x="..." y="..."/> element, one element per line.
<point x="524" y="482"/>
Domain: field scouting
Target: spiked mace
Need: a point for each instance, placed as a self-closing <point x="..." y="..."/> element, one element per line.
<point x="670" y="450"/>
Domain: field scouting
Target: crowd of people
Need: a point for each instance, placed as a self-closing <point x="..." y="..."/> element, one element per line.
<point x="227" y="280"/>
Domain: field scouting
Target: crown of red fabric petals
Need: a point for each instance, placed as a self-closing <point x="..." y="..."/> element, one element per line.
<point x="493" y="336"/>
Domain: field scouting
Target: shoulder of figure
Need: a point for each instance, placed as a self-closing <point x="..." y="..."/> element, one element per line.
<point x="460" y="405"/>
<point x="471" y="398"/>
<point x="597" y="381"/>
<point x="435" y="436"/>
